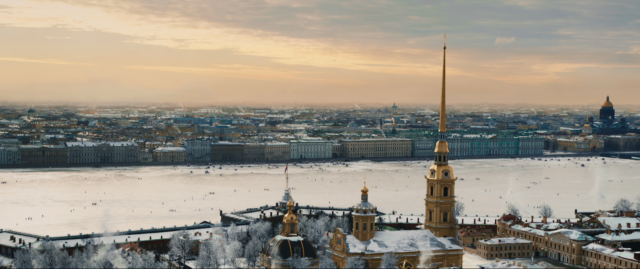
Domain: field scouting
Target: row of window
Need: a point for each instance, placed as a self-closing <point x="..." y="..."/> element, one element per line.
<point x="364" y="226"/>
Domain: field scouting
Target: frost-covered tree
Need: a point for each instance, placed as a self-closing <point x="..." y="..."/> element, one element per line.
<point x="623" y="205"/>
<point x="313" y="229"/>
<point x="326" y="262"/>
<point x="233" y="251"/>
<point x="355" y="263"/>
<point x="339" y="222"/>
<point x="459" y="208"/>
<point x="277" y="229"/>
<point x="23" y="259"/>
<point x="261" y="230"/>
<point x="81" y="259"/>
<point x="546" y="211"/>
<point x="389" y="260"/>
<point x="236" y="233"/>
<point x="252" y="251"/>
<point x="48" y="255"/>
<point x="180" y="247"/>
<point x="300" y="263"/>
<point x="145" y="260"/>
<point x="512" y="209"/>
<point x="638" y="204"/>
<point x="210" y="254"/>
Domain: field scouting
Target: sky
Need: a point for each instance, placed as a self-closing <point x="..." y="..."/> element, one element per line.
<point x="319" y="52"/>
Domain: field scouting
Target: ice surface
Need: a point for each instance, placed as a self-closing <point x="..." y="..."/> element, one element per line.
<point x="124" y="202"/>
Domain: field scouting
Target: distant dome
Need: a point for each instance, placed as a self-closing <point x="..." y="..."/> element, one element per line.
<point x="352" y="124"/>
<point x="394" y="106"/>
<point x="607" y="103"/>
<point x="31" y="110"/>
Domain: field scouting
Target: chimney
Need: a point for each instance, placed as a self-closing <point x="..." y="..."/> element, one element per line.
<point x="474" y="221"/>
<point x="531" y="218"/>
<point x="462" y="221"/>
<point x="628" y="225"/>
<point x="419" y="221"/>
<point x="407" y="220"/>
<point x="485" y="221"/>
<point x="271" y="214"/>
<point x="544" y="219"/>
<point x="636" y="256"/>
<point x="495" y="221"/>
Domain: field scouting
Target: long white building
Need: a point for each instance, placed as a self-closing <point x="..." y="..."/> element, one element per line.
<point x="311" y="149"/>
<point x="103" y="152"/>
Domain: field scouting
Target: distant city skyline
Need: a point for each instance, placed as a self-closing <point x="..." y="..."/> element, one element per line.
<point x="315" y="52"/>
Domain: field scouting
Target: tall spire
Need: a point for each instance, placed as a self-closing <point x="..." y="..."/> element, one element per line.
<point x="443" y="109"/>
<point x="287" y="180"/>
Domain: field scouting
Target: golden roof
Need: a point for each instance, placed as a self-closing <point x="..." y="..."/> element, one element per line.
<point x="365" y="190"/>
<point x="290" y="217"/>
<point x="607" y="103"/>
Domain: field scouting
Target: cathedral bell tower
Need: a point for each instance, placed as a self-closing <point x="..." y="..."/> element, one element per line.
<point x="441" y="182"/>
<point x="364" y="217"/>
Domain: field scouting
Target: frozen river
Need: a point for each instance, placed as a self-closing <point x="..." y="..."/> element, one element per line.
<point x="59" y="201"/>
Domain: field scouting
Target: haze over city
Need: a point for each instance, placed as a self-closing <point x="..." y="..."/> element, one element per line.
<point x="316" y="52"/>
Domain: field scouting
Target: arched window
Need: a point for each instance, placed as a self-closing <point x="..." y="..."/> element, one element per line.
<point x="431" y="191"/>
<point x="445" y="217"/>
<point x="446" y="191"/>
<point x="364" y="226"/>
<point x="357" y="226"/>
<point x="430" y="215"/>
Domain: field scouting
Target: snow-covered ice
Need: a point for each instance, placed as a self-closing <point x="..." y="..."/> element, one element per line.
<point x="145" y="197"/>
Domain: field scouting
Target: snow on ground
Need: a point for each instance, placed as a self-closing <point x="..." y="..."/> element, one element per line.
<point x="167" y="196"/>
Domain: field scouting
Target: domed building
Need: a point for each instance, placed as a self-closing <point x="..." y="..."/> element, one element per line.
<point x="607" y="112"/>
<point x="412" y="247"/>
<point x="288" y="245"/>
<point x="31" y="112"/>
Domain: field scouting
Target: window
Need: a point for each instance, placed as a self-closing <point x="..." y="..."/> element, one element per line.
<point x="446" y="191"/>
<point x="431" y="191"/>
<point x="372" y="226"/>
<point x="357" y="226"/>
<point x="445" y="217"/>
<point x="430" y="215"/>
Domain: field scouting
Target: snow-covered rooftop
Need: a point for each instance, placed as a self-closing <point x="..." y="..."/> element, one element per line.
<point x="401" y="241"/>
<point x="574" y="235"/>
<point x="508" y="264"/>
<point x="610" y="251"/>
<point x="613" y="222"/>
<point x="505" y="240"/>
<point x="620" y="237"/>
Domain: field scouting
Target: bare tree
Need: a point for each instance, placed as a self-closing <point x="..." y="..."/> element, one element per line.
<point x="389" y="260"/>
<point x="233" y="251"/>
<point x="638" y="204"/>
<point x="23" y="259"/>
<point x="261" y="230"/>
<point x="546" y="210"/>
<point x="623" y="205"/>
<point x="459" y="208"/>
<point x="326" y="262"/>
<point x="299" y="263"/>
<point x="512" y="209"/>
<point x="355" y="263"/>
<point x="180" y="247"/>
<point x="209" y="255"/>
<point x="252" y="251"/>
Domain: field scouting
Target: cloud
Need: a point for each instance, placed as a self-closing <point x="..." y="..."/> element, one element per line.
<point x="504" y="40"/>
<point x="42" y="61"/>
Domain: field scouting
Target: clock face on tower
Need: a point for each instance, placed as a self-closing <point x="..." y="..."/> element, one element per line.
<point x="446" y="174"/>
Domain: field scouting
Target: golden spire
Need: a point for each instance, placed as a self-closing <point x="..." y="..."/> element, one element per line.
<point x="443" y="111"/>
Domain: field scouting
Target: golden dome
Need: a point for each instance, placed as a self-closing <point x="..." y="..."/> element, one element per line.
<point x="365" y="190"/>
<point x="290" y="217"/>
<point x="607" y="103"/>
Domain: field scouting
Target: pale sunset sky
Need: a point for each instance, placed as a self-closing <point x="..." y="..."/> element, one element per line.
<point x="319" y="52"/>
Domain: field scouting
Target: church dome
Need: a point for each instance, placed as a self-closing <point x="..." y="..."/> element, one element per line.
<point x="285" y="247"/>
<point x="394" y="106"/>
<point x="364" y="207"/>
<point x="607" y="103"/>
<point x="31" y="110"/>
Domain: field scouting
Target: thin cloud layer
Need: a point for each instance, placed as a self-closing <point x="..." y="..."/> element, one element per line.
<point x="347" y="45"/>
